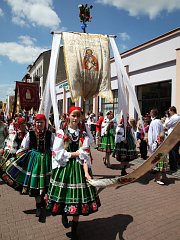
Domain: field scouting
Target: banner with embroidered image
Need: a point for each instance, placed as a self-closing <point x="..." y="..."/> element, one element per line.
<point x="28" y="94"/>
<point x="87" y="61"/>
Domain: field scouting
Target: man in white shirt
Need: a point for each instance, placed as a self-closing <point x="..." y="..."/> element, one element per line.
<point x="155" y="128"/>
<point x="169" y="126"/>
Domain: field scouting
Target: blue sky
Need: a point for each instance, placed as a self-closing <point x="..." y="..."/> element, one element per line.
<point x="25" y="27"/>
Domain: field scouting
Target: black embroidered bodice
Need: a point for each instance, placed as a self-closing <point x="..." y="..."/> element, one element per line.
<point x="41" y="142"/>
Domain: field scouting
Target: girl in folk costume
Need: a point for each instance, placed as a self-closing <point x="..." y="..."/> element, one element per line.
<point x="163" y="165"/>
<point x="69" y="193"/>
<point x="30" y="172"/>
<point x="125" y="148"/>
<point x="3" y="134"/>
<point x="12" y="144"/>
<point x="107" y="140"/>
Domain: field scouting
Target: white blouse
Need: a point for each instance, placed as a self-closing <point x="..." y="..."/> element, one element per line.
<point x="60" y="156"/>
<point x="120" y="134"/>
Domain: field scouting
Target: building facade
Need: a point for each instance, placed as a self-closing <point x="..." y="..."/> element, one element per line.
<point x="153" y="69"/>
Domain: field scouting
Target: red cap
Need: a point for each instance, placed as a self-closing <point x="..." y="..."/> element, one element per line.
<point x="40" y="116"/>
<point x="73" y="108"/>
<point x="21" y="120"/>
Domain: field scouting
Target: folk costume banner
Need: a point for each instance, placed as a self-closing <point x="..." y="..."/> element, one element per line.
<point x="87" y="61"/>
<point x="28" y="94"/>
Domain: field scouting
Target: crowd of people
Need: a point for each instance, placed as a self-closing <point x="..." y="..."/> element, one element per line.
<point x="126" y="141"/>
<point x="54" y="167"/>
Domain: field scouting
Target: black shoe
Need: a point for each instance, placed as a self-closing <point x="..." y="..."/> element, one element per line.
<point x="123" y="172"/>
<point x="74" y="230"/>
<point x="104" y="161"/>
<point x="65" y="221"/>
<point x="38" y="209"/>
<point x="42" y="217"/>
<point x="38" y="212"/>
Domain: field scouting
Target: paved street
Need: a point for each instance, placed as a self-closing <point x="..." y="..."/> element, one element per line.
<point x="142" y="210"/>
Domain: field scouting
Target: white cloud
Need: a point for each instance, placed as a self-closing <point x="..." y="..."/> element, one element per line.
<point x="137" y="8"/>
<point x="34" y="12"/>
<point x="122" y="47"/>
<point x="6" y="90"/>
<point x="124" y="36"/>
<point x="27" y="40"/>
<point x="1" y="12"/>
<point x="24" y="52"/>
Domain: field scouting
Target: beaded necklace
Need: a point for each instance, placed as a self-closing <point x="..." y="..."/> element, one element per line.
<point x="40" y="137"/>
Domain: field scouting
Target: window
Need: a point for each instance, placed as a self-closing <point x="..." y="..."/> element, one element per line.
<point x="156" y="95"/>
<point x="69" y="103"/>
<point x="107" y="106"/>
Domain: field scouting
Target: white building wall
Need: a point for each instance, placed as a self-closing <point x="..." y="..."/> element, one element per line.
<point x="154" y="55"/>
<point x="154" y="61"/>
<point x="146" y="63"/>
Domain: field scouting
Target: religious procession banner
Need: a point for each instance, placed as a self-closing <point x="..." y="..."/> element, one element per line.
<point x="11" y="100"/>
<point x="28" y="94"/>
<point x="87" y="61"/>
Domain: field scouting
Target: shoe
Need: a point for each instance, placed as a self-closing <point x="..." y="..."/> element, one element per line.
<point x="159" y="182"/>
<point x="74" y="230"/>
<point x="65" y="221"/>
<point x="38" y="209"/>
<point x="38" y="212"/>
<point x="123" y="172"/>
<point x="42" y="217"/>
<point x="104" y="161"/>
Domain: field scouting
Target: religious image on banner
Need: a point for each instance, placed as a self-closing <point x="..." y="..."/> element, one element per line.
<point x="90" y="61"/>
<point x="28" y="94"/>
<point x="87" y="62"/>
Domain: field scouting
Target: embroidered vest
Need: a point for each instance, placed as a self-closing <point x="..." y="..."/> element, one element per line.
<point x="41" y="143"/>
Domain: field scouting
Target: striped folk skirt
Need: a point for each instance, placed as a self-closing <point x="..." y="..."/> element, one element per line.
<point x="162" y="165"/>
<point x="30" y="173"/>
<point x="7" y="158"/>
<point x="107" y="142"/>
<point x="69" y="192"/>
<point x="125" y="151"/>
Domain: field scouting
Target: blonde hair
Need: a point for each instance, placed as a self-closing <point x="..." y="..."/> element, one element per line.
<point x="162" y="135"/>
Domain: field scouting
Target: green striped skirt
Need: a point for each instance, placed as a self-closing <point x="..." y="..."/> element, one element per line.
<point x="7" y="158"/>
<point x="107" y="142"/>
<point x="69" y="192"/>
<point x="125" y="151"/>
<point x="162" y="165"/>
<point x="31" y="172"/>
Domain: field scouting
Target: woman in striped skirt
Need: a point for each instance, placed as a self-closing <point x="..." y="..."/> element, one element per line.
<point x="30" y="172"/>
<point x="125" y="148"/>
<point x="12" y="144"/>
<point x="69" y="193"/>
<point x="107" y="141"/>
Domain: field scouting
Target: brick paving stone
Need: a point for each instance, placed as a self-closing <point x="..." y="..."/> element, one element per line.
<point x="142" y="210"/>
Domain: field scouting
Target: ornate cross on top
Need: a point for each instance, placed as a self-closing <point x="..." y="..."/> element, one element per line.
<point x="84" y="15"/>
